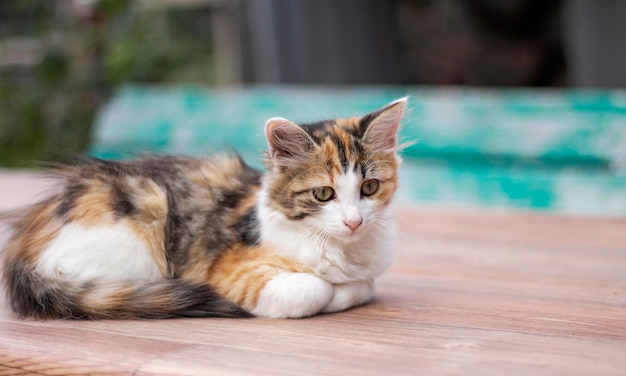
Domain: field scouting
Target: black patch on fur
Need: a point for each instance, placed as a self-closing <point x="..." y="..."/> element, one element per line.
<point x="322" y="126"/>
<point x="184" y="299"/>
<point x="32" y="297"/>
<point x="230" y="199"/>
<point x="248" y="227"/>
<point x="297" y="216"/>
<point x="357" y="146"/>
<point x="121" y="203"/>
<point x="341" y="150"/>
<point x="72" y="192"/>
<point x="175" y="231"/>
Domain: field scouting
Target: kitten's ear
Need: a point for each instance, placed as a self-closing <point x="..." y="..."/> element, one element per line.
<point x="381" y="126"/>
<point x="287" y="140"/>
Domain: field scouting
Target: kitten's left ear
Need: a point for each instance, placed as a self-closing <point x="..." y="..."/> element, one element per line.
<point x="381" y="126"/>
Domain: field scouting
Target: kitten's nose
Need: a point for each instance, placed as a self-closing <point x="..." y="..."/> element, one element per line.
<point x="353" y="224"/>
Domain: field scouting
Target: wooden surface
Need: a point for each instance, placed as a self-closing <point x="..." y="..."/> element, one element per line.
<point x="469" y="293"/>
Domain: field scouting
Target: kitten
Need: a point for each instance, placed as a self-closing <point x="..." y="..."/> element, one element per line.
<point x="171" y="236"/>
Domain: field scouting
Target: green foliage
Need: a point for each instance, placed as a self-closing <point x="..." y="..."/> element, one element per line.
<point x="53" y="67"/>
<point x="47" y="110"/>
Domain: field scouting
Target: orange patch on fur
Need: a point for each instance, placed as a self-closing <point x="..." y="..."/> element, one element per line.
<point x="387" y="169"/>
<point x="93" y="207"/>
<point x="198" y="267"/>
<point x="240" y="274"/>
<point x="36" y="229"/>
<point x="353" y="123"/>
<point x="150" y="218"/>
<point x="329" y="149"/>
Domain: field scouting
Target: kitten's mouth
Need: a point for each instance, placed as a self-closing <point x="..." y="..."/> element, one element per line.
<point x="352" y="234"/>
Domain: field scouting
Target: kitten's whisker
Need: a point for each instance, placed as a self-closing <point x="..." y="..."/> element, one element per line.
<point x="380" y="223"/>
<point x="385" y="232"/>
<point x="315" y="235"/>
<point x="400" y="229"/>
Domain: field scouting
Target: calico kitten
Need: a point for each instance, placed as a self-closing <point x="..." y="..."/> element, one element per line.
<point x="170" y="236"/>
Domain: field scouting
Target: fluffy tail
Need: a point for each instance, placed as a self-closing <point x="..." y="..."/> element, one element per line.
<point x="32" y="297"/>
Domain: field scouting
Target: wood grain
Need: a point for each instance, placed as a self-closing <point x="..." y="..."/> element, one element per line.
<point x="470" y="293"/>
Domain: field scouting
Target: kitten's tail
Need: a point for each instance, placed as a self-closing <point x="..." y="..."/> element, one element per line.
<point x="32" y="297"/>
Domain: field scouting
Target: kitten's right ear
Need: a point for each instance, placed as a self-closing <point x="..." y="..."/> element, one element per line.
<point x="287" y="140"/>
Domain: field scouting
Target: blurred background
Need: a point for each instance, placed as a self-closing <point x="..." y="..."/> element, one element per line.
<point x="514" y="104"/>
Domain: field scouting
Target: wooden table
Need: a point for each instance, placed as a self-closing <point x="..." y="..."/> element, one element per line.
<point x="470" y="292"/>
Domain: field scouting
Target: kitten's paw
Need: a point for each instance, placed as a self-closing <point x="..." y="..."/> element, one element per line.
<point x="350" y="294"/>
<point x="293" y="295"/>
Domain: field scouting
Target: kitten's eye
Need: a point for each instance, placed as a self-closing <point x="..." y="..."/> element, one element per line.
<point x="323" y="193"/>
<point x="369" y="187"/>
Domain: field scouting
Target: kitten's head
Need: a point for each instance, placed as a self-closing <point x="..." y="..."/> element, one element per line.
<point x="338" y="176"/>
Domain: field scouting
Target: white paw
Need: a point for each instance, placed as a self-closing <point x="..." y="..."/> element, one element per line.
<point x="293" y="295"/>
<point x="350" y="294"/>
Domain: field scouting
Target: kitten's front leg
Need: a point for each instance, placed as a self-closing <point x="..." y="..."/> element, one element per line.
<point x="293" y="295"/>
<point x="350" y="294"/>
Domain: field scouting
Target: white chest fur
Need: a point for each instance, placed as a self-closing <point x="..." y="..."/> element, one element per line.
<point x="335" y="261"/>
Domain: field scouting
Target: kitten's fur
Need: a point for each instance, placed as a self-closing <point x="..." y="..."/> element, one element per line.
<point x="171" y="236"/>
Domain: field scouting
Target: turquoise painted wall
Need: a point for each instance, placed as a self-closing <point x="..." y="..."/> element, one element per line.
<point x="550" y="150"/>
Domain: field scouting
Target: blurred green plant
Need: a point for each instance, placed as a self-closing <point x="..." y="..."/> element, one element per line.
<point x="47" y="108"/>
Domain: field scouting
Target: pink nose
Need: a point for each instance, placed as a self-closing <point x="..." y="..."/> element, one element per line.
<point x="353" y="224"/>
